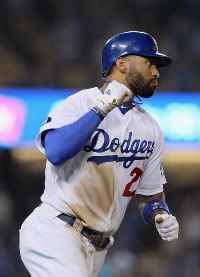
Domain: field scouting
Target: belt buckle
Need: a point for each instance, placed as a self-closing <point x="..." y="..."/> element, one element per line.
<point x="101" y="242"/>
<point x="104" y="241"/>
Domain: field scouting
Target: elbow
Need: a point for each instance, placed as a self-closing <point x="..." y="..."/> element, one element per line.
<point x="54" y="158"/>
<point x="55" y="162"/>
<point x="57" y="157"/>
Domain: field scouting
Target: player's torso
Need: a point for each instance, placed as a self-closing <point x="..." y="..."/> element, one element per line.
<point x="100" y="181"/>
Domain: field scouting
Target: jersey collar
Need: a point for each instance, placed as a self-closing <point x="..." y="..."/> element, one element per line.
<point x="124" y="108"/>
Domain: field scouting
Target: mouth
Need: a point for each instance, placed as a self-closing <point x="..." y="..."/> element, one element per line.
<point x="155" y="83"/>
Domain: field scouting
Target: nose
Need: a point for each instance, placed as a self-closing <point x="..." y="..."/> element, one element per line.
<point x="155" y="71"/>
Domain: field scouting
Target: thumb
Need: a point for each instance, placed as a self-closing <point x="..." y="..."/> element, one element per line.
<point x="160" y="218"/>
<point x="128" y="95"/>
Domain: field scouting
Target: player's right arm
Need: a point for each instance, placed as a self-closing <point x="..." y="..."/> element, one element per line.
<point x="65" y="142"/>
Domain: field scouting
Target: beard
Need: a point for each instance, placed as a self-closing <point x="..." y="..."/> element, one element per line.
<point x="139" y="86"/>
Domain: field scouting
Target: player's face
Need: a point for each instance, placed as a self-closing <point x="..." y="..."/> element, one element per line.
<point x="142" y="76"/>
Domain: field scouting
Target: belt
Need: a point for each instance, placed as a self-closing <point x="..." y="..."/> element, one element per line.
<point x="96" y="238"/>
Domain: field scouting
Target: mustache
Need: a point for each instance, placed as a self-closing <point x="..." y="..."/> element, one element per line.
<point x="154" y="79"/>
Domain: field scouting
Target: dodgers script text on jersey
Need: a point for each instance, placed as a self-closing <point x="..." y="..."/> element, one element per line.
<point x="112" y="163"/>
<point x="136" y="149"/>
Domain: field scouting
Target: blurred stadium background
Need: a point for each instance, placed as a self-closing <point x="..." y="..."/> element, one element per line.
<point x="48" y="50"/>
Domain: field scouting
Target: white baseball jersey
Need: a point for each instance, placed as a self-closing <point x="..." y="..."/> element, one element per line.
<point x="123" y="157"/>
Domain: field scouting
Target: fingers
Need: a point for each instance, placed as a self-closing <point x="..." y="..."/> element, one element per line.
<point x="167" y="222"/>
<point x="168" y="229"/>
<point x="169" y="235"/>
<point x="115" y="94"/>
<point x="121" y="92"/>
<point x="128" y="96"/>
<point x="159" y="218"/>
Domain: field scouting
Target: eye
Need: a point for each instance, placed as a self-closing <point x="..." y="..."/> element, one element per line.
<point x="152" y="61"/>
<point x="148" y="62"/>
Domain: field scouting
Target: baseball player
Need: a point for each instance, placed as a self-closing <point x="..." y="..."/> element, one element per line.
<point x="102" y="150"/>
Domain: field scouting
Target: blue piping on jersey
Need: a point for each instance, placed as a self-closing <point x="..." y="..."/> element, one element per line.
<point x="63" y="143"/>
<point x="127" y="161"/>
<point x="124" y="109"/>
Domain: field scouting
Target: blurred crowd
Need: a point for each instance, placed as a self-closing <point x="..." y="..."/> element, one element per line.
<point x="58" y="43"/>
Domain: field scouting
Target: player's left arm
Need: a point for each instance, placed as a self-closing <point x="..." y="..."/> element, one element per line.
<point x="155" y="211"/>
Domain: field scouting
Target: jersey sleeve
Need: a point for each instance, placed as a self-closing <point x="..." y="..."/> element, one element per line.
<point x="153" y="177"/>
<point x="66" y="112"/>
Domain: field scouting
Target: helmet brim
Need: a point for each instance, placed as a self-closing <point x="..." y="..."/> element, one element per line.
<point x="161" y="59"/>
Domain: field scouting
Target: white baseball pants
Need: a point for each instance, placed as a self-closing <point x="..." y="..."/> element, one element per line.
<point x="51" y="248"/>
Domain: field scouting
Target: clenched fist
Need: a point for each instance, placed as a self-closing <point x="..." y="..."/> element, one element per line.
<point x="114" y="95"/>
<point x="167" y="226"/>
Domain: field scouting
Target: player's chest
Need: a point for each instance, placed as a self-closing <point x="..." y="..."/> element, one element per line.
<point x="122" y="140"/>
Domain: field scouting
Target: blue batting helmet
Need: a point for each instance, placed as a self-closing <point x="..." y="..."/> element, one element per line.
<point x="131" y="43"/>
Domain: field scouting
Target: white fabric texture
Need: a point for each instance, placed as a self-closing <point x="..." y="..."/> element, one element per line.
<point x="49" y="247"/>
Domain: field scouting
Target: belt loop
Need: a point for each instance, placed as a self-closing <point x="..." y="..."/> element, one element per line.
<point x="78" y="225"/>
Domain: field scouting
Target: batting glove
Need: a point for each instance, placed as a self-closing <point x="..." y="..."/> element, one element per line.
<point x="167" y="226"/>
<point x="114" y="94"/>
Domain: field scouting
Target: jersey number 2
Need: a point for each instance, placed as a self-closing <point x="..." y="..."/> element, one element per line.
<point x="136" y="173"/>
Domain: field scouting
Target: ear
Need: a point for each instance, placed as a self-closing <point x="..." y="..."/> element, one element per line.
<point x="121" y="65"/>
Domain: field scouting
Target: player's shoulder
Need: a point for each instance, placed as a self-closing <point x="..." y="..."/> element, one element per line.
<point x="78" y="98"/>
<point x="82" y="96"/>
<point x="147" y="116"/>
